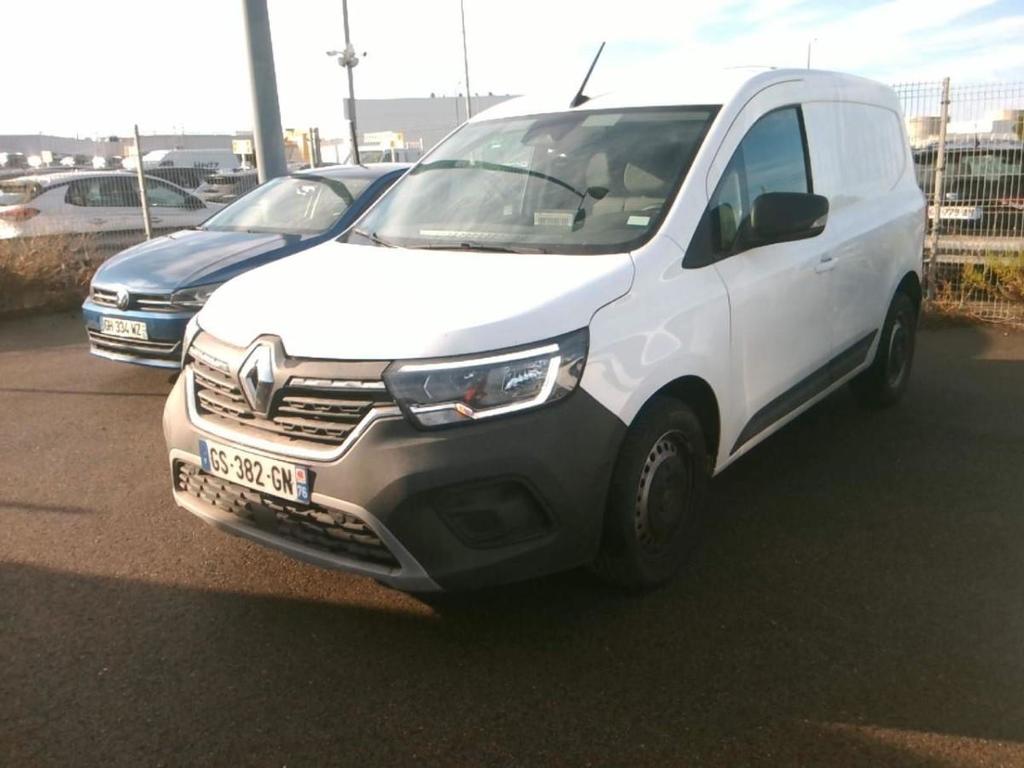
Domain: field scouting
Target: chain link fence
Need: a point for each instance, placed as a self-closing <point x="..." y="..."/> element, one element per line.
<point x="969" y="160"/>
<point x="63" y="213"/>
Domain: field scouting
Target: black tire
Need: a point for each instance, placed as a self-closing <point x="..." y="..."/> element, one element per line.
<point x="656" y="498"/>
<point x="883" y="384"/>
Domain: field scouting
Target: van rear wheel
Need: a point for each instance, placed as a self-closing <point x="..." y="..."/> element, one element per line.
<point x="655" y="502"/>
<point x="884" y="383"/>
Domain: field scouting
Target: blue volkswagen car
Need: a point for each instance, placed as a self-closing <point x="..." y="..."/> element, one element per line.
<point x="141" y="299"/>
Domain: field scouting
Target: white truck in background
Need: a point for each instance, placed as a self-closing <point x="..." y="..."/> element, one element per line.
<point x="214" y="159"/>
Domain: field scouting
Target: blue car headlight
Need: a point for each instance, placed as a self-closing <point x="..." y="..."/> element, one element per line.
<point x="464" y="389"/>
<point x="194" y="298"/>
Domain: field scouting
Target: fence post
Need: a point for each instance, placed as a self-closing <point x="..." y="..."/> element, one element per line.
<point x="143" y="195"/>
<point x="938" y="192"/>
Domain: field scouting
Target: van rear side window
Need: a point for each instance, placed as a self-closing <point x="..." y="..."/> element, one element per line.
<point x="858" y="150"/>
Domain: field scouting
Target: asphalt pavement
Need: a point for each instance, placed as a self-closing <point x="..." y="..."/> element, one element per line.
<point x="859" y="600"/>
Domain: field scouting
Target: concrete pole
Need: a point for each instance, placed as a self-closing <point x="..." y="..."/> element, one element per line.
<point x="268" y="138"/>
<point x="465" y="59"/>
<point x="143" y="195"/>
<point x="349" y="61"/>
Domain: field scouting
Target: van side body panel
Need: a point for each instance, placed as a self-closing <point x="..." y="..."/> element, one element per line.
<point x="683" y="322"/>
<point x="674" y="322"/>
<point x="875" y="226"/>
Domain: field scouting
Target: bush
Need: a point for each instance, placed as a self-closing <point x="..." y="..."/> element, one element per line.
<point x="990" y="290"/>
<point x="51" y="272"/>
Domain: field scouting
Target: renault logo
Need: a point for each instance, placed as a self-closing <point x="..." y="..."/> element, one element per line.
<point x="256" y="377"/>
<point x="122" y="298"/>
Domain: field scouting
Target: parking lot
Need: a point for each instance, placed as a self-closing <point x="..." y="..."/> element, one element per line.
<point x="859" y="600"/>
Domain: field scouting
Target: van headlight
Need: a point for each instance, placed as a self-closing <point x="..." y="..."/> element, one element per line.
<point x="194" y="298"/>
<point x="191" y="331"/>
<point x="464" y="389"/>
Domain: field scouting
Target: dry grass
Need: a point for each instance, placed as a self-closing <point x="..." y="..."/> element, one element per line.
<point x="992" y="291"/>
<point x="50" y="272"/>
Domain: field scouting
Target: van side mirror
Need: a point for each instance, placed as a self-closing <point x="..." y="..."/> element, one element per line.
<point x="778" y="217"/>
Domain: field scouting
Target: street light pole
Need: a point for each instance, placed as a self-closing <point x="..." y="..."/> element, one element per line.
<point x="809" y="44"/>
<point x="465" y="59"/>
<point x="348" y="60"/>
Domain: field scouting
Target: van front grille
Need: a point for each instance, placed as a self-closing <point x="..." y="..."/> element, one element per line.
<point x="304" y="413"/>
<point x="329" y="530"/>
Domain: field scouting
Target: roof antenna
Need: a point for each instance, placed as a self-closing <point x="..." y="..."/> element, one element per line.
<point x="579" y="98"/>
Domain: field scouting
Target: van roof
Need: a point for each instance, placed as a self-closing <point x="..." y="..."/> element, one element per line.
<point x="716" y="87"/>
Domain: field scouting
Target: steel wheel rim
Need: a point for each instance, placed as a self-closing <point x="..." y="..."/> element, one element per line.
<point x="663" y="493"/>
<point x="898" y="353"/>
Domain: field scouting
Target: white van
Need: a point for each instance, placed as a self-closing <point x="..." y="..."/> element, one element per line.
<point x="535" y="351"/>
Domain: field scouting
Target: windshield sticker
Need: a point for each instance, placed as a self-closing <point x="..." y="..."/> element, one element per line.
<point x="553" y="218"/>
<point x="638" y="221"/>
<point x="457" y="234"/>
<point x="599" y="120"/>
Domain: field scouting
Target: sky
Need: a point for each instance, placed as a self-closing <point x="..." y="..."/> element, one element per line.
<point x="91" y="69"/>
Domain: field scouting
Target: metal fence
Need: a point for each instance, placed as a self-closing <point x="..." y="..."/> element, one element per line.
<point x="969" y="159"/>
<point x="63" y="214"/>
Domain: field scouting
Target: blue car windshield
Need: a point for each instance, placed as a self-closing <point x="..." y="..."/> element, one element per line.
<point x="290" y="205"/>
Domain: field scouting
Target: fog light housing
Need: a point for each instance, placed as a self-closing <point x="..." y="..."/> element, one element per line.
<point x="490" y="514"/>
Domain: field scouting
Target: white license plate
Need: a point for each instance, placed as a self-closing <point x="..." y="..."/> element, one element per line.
<point x="125" y="329"/>
<point x="273" y="477"/>
<point x="959" y="212"/>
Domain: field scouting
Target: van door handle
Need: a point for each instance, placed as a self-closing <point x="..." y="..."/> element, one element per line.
<point x="155" y="219"/>
<point x="825" y="263"/>
<point x="97" y="221"/>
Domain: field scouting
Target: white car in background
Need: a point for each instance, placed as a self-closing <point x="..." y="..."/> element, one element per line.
<point x="94" y="202"/>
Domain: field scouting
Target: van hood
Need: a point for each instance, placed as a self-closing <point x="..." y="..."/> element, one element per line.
<point x="192" y="257"/>
<point x="359" y="302"/>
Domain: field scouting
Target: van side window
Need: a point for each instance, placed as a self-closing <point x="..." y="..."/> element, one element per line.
<point x="770" y="158"/>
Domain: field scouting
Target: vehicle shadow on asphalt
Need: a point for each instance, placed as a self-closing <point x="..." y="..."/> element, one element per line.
<point x="857" y="601"/>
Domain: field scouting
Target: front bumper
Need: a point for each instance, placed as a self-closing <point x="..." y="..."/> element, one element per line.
<point x="458" y="508"/>
<point x="161" y="350"/>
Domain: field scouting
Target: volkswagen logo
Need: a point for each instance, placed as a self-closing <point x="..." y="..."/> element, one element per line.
<point x="123" y="297"/>
<point x="256" y="377"/>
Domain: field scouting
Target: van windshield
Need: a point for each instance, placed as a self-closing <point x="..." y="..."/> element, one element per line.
<point x="572" y="182"/>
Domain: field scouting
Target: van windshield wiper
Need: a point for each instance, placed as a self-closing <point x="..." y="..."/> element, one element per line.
<point x="483" y="247"/>
<point x="372" y="237"/>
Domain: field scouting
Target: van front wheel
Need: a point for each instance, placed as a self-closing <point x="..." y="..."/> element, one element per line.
<point x="655" y="501"/>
